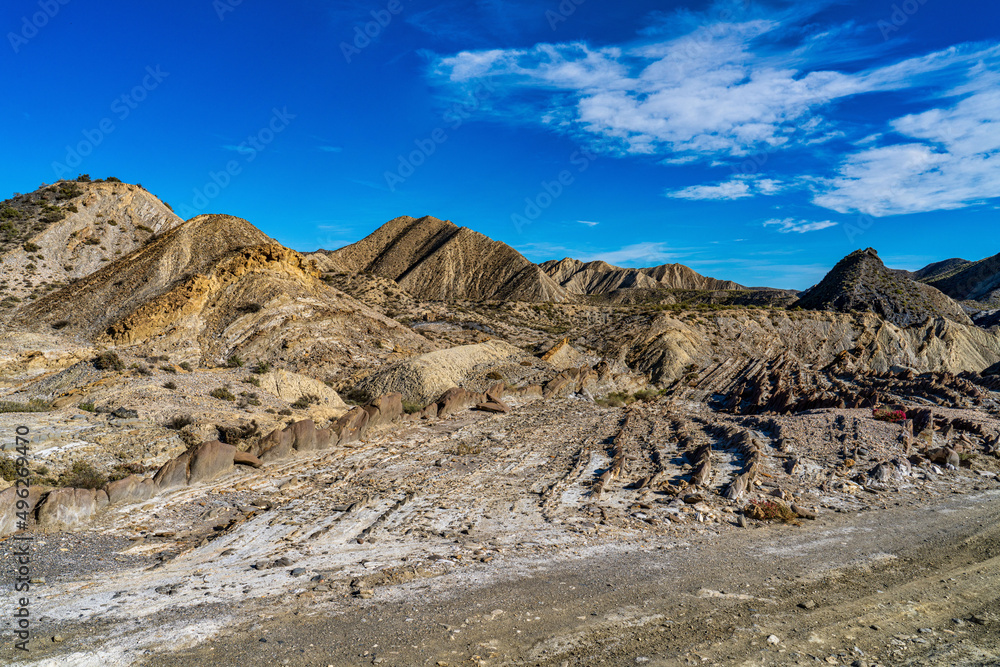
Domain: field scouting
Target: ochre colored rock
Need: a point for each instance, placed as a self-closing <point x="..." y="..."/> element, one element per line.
<point x="173" y="473"/>
<point x="209" y="460"/>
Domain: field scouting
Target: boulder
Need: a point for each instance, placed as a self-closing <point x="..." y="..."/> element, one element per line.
<point x="276" y="445"/>
<point x="173" y="473"/>
<point x="70" y="509"/>
<point x="209" y="460"/>
<point x="303" y="435"/>
<point x="352" y="426"/>
<point x="9" y="508"/>
<point x="493" y="406"/>
<point x="454" y="400"/>
<point x="247" y="459"/>
<point x="325" y="438"/>
<point x="561" y="385"/>
<point x="131" y="489"/>
<point x="430" y="412"/>
<point x="385" y="409"/>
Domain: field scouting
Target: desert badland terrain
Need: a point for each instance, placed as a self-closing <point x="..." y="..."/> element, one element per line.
<point x="424" y="449"/>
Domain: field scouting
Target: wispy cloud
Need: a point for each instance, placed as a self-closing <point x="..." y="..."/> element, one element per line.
<point x="241" y="149"/>
<point x="790" y="225"/>
<point x="738" y="187"/>
<point x="589" y="223"/>
<point x="695" y="90"/>
<point x="950" y="159"/>
<point x="636" y="254"/>
<point x="331" y="149"/>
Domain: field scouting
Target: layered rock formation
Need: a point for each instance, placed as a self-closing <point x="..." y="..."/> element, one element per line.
<point x="421" y="378"/>
<point x="216" y="286"/>
<point x="436" y="259"/>
<point x="68" y="230"/>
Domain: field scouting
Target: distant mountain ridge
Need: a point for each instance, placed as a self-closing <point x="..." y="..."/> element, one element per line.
<point x="599" y="277"/>
<point x="971" y="281"/>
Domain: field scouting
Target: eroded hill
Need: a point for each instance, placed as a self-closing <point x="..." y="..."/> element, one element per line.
<point x="435" y="259"/>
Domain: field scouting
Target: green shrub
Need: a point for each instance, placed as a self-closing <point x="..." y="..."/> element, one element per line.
<point x="223" y="394"/>
<point x="83" y="178"/>
<point x="123" y="470"/>
<point x="33" y="405"/>
<point x="112" y="179"/>
<point x="82" y="475"/>
<point x="168" y="368"/>
<point x="234" y="362"/>
<point x="170" y="385"/>
<point x="109" y="361"/>
<point x="305" y="401"/>
<point x="261" y="368"/>
<point x="252" y="380"/>
<point x="61" y="324"/>
<point x="185" y="365"/>
<point x="31" y="247"/>
<point x="87" y="407"/>
<point x="8" y="468"/>
<point x="409" y="407"/>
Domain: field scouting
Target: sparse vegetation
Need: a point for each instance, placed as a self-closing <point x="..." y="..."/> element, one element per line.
<point x="409" y="407"/>
<point x="8" y="468"/>
<point x="770" y="510"/>
<point x="87" y="407"/>
<point x="61" y="324"/>
<point x="178" y="422"/>
<point x="33" y="405"/>
<point x="185" y="366"/>
<point x="108" y="361"/>
<point x="305" y="401"/>
<point x="82" y="475"/>
<point x="261" y="368"/>
<point x="223" y="394"/>
<point x="170" y="385"/>
<point x="234" y="362"/>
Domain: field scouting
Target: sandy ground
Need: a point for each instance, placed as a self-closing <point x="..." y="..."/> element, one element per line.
<point x="476" y="540"/>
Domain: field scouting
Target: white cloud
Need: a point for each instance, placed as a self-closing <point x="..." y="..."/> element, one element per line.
<point x="728" y="190"/>
<point x="738" y="187"/>
<point x="950" y="159"/>
<point x="331" y="149"/>
<point x="636" y="254"/>
<point x="697" y="89"/>
<point x="790" y="225"/>
<point x="589" y="223"/>
<point x="721" y="89"/>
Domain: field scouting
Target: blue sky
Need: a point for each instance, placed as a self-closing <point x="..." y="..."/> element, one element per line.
<point x="753" y="141"/>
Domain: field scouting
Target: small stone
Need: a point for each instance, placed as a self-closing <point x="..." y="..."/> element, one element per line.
<point x="37" y="580"/>
<point x="741" y="521"/>
<point x="773" y="639"/>
<point x="925" y="630"/>
<point x="808" y="604"/>
<point x="57" y="639"/>
<point x="298" y="571"/>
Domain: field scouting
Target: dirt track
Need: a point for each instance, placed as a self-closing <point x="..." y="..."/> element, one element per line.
<point x="892" y="585"/>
